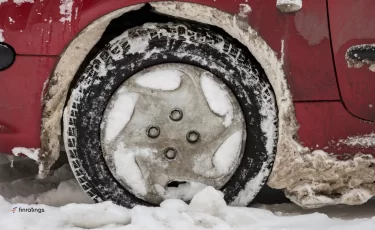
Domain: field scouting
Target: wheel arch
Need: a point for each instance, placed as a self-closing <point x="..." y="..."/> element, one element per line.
<point x="79" y="48"/>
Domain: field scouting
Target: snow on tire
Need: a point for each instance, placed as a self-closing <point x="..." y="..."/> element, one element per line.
<point x="221" y="129"/>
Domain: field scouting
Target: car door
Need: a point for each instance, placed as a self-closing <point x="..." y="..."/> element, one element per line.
<point x="352" y="25"/>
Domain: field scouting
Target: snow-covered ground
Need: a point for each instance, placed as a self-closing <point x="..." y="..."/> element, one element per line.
<point x="57" y="203"/>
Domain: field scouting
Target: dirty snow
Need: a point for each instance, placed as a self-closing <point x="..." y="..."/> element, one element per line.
<point x="30" y="153"/>
<point x="245" y="9"/>
<point x="122" y="108"/>
<point x="289" y="5"/>
<point x="217" y="98"/>
<point x="66" y="7"/>
<point x="167" y="80"/>
<point x="363" y="141"/>
<point x="227" y="153"/>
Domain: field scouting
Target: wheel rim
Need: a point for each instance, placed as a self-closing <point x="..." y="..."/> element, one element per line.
<point x="170" y="130"/>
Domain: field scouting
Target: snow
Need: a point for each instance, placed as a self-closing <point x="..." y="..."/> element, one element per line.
<point x="167" y="80"/>
<point x="11" y="21"/>
<point x="183" y="191"/>
<point x="245" y="9"/>
<point x="121" y="111"/>
<point x="1" y="35"/>
<point x="364" y="141"/>
<point x="30" y="153"/>
<point x="207" y="210"/>
<point x="227" y="153"/>
<point x="217" y="98"/>
<point x="3" y="1"/>
<point x="19" y="2"/>
<point x="294" y="4"/>
<point x="66" y="7"/>
<point x="128" y="169"/>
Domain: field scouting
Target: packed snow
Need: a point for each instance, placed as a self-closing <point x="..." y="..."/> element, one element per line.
<point x="227" y="153"/>
<point x="217" y="98"/>
<point x="161" y="79"/>
<point x="65" y="206"/>
<point x="121" y="111"/>
<point x="128" y="169"/>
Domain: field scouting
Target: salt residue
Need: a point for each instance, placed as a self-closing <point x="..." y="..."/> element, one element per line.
<point x="167" y="80"/>
<point x="217" y="98"/>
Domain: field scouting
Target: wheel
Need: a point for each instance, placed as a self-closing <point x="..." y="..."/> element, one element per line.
<point x="166" y="109"/>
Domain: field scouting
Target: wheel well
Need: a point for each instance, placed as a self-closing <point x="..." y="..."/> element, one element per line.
<point x="132" y="19"/>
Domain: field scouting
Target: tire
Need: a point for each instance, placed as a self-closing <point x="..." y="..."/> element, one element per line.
<point x="169" y="43"/>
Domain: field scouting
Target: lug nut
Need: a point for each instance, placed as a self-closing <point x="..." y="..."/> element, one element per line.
<point x="176" y="115"/>
<point x="170" y="153"/>
<point x="153" y="131"/>
<point x="193" y="136"/>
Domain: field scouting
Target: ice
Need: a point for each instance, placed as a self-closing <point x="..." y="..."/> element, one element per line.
<point x="217" y="98"/>
<point x="30" y="153"/>
<point x="167" y="80"/>
<point x="120" y="114"/>
<point x="227" y="153"/>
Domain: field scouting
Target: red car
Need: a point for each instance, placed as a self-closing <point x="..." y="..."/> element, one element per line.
<point x="154" y="99"/>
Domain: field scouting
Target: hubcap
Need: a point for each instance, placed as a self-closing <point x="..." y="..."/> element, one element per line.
<point x="195" y="132"/>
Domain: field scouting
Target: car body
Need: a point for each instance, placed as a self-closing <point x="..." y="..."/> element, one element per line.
<point x="334" y="103"/>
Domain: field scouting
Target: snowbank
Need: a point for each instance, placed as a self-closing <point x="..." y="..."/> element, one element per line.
<point x="207" y="210"/>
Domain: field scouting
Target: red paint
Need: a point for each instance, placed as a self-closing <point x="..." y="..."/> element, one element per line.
<point x="307" y="56"/>
<point x="20" y="101"/>
<point x="353" y="23"/>
<point x="323" y="124"/>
